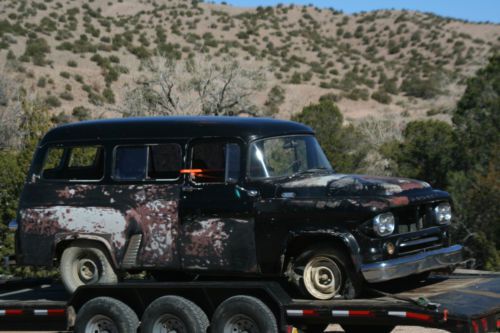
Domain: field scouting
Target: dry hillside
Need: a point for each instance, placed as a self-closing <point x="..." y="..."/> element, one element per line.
<point x="80" y="56"/>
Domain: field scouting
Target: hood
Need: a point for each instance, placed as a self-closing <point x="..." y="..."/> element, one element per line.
<point x="395" y="191"/>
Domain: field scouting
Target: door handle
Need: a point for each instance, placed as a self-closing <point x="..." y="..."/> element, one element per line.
<point x="190" y="188"/>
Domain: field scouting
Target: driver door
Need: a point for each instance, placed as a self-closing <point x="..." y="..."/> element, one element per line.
<point x="217" y="222"/>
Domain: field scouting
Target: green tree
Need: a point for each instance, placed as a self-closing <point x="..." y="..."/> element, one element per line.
<point x="343" y="145"/>
<point x="426" y="152"/>
<point x="477" y="116"/>
<point x="475" y="185"/>
<point x="14" y="165"/>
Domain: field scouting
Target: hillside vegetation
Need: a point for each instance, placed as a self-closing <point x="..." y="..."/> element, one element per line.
<point x="82" y="57"/>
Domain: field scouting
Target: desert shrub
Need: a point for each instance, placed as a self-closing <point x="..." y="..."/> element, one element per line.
<point x="41" y="82"/>
<point x="81" y="113"/>
<point x="109" y="96"/>
<point x="65" y="74"/>
<point x="414" y="86"/>
<point x="382" y="96"/>
<point x="358" y="93"/>
<point x="66" y="95"/>
<point x="296" y="78"/>
<point x="78" y="78"/>
<point x="275" y="98"/>
<point x="36" y="50"/>
<point x="72" y="63"/>
<point x="52" y="102"/>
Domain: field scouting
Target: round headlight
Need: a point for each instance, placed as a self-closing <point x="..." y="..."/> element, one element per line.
<point x="442" y="213"/>
<point x="383" y="224"/>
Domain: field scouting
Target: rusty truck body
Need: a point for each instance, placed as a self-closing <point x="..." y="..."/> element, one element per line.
<point x="229" y="196"/>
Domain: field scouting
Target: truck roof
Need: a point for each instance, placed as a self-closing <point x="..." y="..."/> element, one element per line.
<point x="245" y="128"/>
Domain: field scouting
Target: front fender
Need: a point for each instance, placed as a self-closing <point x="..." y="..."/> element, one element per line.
<point x="315" y="236"/>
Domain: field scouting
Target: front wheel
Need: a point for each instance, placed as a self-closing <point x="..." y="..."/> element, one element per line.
<point x="85" y="263"/>
<point x="325" y="273"/>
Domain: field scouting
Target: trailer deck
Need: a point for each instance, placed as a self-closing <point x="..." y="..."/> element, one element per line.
<point x="457" y="303"/>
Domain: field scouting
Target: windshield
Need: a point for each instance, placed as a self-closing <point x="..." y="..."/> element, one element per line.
<point x="286" y="156"/>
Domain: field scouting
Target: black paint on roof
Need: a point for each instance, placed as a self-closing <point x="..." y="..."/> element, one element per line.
<point x="174" y="127"/>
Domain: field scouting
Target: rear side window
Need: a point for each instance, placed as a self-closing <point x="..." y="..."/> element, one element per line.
<point x="84" y="163"/>
<point x="147" y="162"/>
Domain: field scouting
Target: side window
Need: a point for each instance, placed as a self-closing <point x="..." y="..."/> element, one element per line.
<point x="130" y="163"/>
<point x="82" y="157"/>
<point x="215" y="162"/>
<point x="74" y="163"/>
<point x="165" y="161"/>
<point x="148" y="162"/>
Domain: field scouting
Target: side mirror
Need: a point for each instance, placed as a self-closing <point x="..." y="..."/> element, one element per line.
<point x="233" y="163"/>
<point x="13" y="225"/>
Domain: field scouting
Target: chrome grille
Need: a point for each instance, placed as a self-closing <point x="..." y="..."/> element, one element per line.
<point x="414" y="218"/>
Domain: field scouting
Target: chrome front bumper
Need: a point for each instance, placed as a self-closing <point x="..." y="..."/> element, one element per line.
<point x="413" y="264"/>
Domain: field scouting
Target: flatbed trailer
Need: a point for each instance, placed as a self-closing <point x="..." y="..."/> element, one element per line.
<point x="462" y="302"/>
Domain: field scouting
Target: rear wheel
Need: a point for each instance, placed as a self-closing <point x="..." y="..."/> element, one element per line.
<point x="106" y="315"/>
<point x="174" y="314"/>
<point x="324" y="273"/>
<point x="85" y="263"/>
<point x="240" y="314"/>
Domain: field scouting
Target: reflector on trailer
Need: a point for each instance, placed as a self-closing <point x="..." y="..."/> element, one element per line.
<point x="11" y="312"/>
<point x="49" y="312"/>
<point x="302" y="313"/>
<point x="410" y="315"/>
<point x="352" y="313"/>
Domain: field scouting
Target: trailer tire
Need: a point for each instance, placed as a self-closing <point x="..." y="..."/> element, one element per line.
<point x="243" y="314"/>
<point x="175" y="314"/>
<point x="106" y="314"/>
<point x="83" y="263"/>
<point x="363" y="329"/>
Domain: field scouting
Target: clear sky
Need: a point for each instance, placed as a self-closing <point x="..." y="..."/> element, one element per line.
<point x="472" y="10"/>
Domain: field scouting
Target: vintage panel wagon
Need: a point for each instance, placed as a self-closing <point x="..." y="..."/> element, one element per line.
<point x="222" y="196"/>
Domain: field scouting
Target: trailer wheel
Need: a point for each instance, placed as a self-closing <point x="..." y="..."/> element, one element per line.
<point x="240" y="314"/>
<point x="363" y="329"/>
<point x="174" y="314"/>
<point x="106" y="315"/>
<point x="324" y="273"/>
<point x="85" y="263"/>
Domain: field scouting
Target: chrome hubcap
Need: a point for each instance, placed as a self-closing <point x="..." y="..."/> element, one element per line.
<point x="101" y="324"/>
<point x="241" y="324"/>
<point x="169" y="323"/>
<point x="322" y="277"/>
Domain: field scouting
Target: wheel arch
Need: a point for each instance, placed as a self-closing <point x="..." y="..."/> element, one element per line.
<point x="63" y="241"/>
<point x="299" y="242"/>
